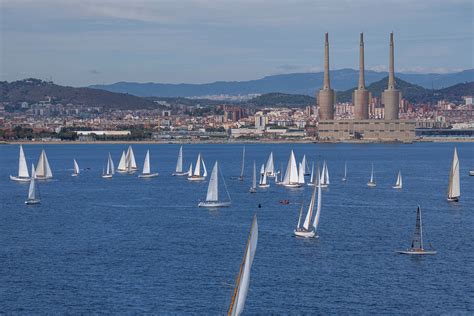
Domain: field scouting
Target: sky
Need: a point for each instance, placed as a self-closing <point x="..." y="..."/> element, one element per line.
<point x="84" y="42"/>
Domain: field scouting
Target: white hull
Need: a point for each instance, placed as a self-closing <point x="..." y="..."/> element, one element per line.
<point x="263" y="185"/>
<point x="32" y="202"/>
<point x="19" y="179"/>
<point x="324" y="185"/>
<point x="107" y="176"/>
<point x="453" y="199"/>
<point x="74" y="175"/>
<point x="149" y="175"/>
<point x="371" y="184"/>
<point x="396" y="187"/>
<point x="195" y="178"/>
<point x="121" y="171"/>
<point x="43" y="178"/>
<point x="417" y="252"/>
<point x="292" y="185"/>
<point x="179" y="174"/>
<point x="305" y="234"/>
<point x="252" y="190"/>
<point x="344" y="179"/>
<point x="310" y="184"/>
<point x="213" y="204"/>
<point x="471" y="172"/>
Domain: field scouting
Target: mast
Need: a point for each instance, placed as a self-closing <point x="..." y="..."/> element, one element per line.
<point x="417" y="242"/>
<point x="32" y="188"/>
<point x="242" y="165"/>
<point x="301" y="214"/>
<point x="318" y="209"/>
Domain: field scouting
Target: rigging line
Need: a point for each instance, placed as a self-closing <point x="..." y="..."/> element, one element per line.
<point x="225" y="184"/>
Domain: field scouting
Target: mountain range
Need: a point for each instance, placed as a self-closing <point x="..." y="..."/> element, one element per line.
<point x="297" y="83"/>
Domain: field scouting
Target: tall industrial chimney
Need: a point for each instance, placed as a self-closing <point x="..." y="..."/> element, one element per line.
<point x="391" y="96"/>
<point x="326" y="94"/>
<point x="360" y="97"/>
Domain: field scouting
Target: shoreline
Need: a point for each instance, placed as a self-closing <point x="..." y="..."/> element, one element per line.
<point x="108" y="142"/>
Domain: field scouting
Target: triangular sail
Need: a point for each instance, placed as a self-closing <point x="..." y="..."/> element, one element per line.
<point x="108" y="169"/>
<point x="269" y="167"/>
<point x="243" y="279"/>
<point x="311" y="180"/>
<point x="204" y="174"/>
<point x="326" y="174"/>
<point x="304" y="164"/>
<point x="399" y="180"/>
<point x="301" y="174"/>
<point x="300" y="215"/>
<point x="40" y="166"/>
<point x="122" y="166"/>
<point x="212" y="189"/>
<point x="146" y="163"/>
<point x="76" y="167"/>
<point x="345" y="170"/>
<point x="318" y="209"/>
<point x="242" y="164"/>
<point x="417" y="242"/>
<point x="132" y="164"/>
<point x="49" y="174"/>
<point x="190" y="170"/>
<point x="197" y="168"/>
<point x="254" y="179"/>
<point x="372" y="178"/>
<point x="309" y="215"/>
<point x="22" y="166"/>
<point x="111" y="162"/>
<point x="32" y="188"/>
<point x="454" y="188"/>
<point x="263" y="176"/>
<point x="179" y="163"/>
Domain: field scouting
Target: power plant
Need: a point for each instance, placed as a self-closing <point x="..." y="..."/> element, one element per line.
<point x="362" y="127"/>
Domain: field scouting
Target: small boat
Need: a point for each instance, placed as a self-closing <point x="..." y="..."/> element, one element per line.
<point x="291" y="179"/>
<point x="454" y="187"/>
<point x="241" y="289"/>
<point x="308" y="230"/>
<point x="263" y="183"/>
<point x="471" y="173"/>
<point x="398" y="184"/>
<point x="109" y="172"/>
<point x="198" y="175"/>
<point x="305" y="166"/>
<point x="146" y="172"/>
<point x="43" y="170"/>
<point x="179" y="164"/>
<point x="33" y="193"/>
<point x="345" y="172"/>
<point x="284" y="202"/>
<point x="242" y="165"/>
<point x="253" y="188"/>
<point x="270" y="166"/>
<point x="23" y="175"/>
<point x="312" y="178"/>
<point x="417" y="241"/>
<point x="76" y="171"/>
<point x="371" y="182"/>
<point x="324" y="179"/>
<point x="212" y="197"/>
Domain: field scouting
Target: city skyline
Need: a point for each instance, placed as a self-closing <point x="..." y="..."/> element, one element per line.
<point x="83" y="43"/>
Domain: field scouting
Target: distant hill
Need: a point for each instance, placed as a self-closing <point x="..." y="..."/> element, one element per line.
<point x="297" y="83"/>
<point x="34" y="90"/>
<point x="281" y="99"/>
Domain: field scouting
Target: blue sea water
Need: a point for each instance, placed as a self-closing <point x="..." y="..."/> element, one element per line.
<point x="130" y="245"/>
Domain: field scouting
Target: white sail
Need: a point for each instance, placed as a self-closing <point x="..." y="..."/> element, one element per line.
<point x="204" y="174"/>
<point x="179" y="163"/>
<point x="190" y="170"/>
<point x="32" y="188"/>
<point x="345" y="171"/>
<point x="291" y="175"/>
<point x="212" y="189"/>
<point x="76" y="167"/>
<point x="263" y="176"/>
<point x="112" y="167"/>
<point x="399" y="180"/>
<point x="108" y="169"/>
<point x="326" y="174"/>
<point x="318" y="210"/>
<point x="146" y="163"/>
<point x="309" y="215"/>
<point x="269" y="167"/>
<point x="242" y="164"/>
<point x="22" y="167"/>
<point x="254" y="179"/>
<point x="304" y="163"/>
<point x="372" y="179"/>
<point x="300" y="216"/>
<point x="132" y="164"/>
<point x="311" y="180"/>
<point x="243" y="279"/>
<point x="43" y="170"/>
<point x="454" y="188"/>
<point x="301" y="174"/>
<point x="197" y="168"/>
<point x="122" y="166"/>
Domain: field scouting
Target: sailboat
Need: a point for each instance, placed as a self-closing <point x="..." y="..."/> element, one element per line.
<point x="471" y="172"/>
<point x="43" y="170"/>
<point x="241" y="178"/>
<point x="263" y="183"/>
<point x="417" y="241"/>
<point x="33" y="193"/>
<point x="325" y="176"/>
<point x="241" y="289"/>
<point x="454" y="187"/>
<point x="291" y="179"/>
<point x="109" y="172"/>
<point x="308" y="230"/>
<point x="301" y="174"/>
<point x="345" y="172"/>
<point x="179" y="164"/>
<point x="23" y="175"/>
<point x="399" y="183"/>
<point x="122" y="166"/>
<point x="305" y="166"/>
<point x="270" y="166"/>
<point x="212" y="197"/>
<point x="76" y="171"/>
<point x="312" y="178"/>
<point x="146" y="172"/>
<point x="198" y="175"/>
<point x="280" y="172"/>
<point x="253" y="188"/>
<point x="127" y="162"/>
<point x="371" y="182"/>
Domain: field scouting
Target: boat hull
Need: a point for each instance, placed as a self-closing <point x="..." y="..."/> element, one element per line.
<point x="213" y="204"/>
<point x="417" y="252"/>
<point x="43" y="178"/>
<point x="371" y="184"/>
<point x="263" y="185"/>
<point x="107" y="176"/>
<point x="32" y="202"/>
<point x="74" y="175"/>
<point x="471" y="173"/>
<point x="252" y="190"/>
<point x="180" y="174"/>
<point x="149" y="175"/>
<point x="292" y="185"/>
<point x="344" y="179"/>
<point x="20" y="179"/>
<point x="305" y="234"/>
<point x="396" y="187"/>
<point x="194" y="178"/>
<point x="453" y="199"/>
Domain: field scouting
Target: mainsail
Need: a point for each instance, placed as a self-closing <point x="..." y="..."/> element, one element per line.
<point x="301" y="174"/>
<point x="242" y="165"/>
<point x="243" y="279"/>
<point x="291" y="174"/>
<point x="417" y="241"/>
<point x="76" y="167"/>
<point x="179" y="163"/>
<point x="22" y="167"/>
<point x="212" y="189"/>
<point x="43" y="170"/>
<point x="122" y="166"/>
<point x="454" y="188"/>
<point x="32" y="188"/>
<point x="146" y="163"/>
<point x="269" y="167"/>
<point x="254" y="178"/>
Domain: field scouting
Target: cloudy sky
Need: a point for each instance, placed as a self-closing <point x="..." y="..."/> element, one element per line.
<point x="82" y="42"/>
